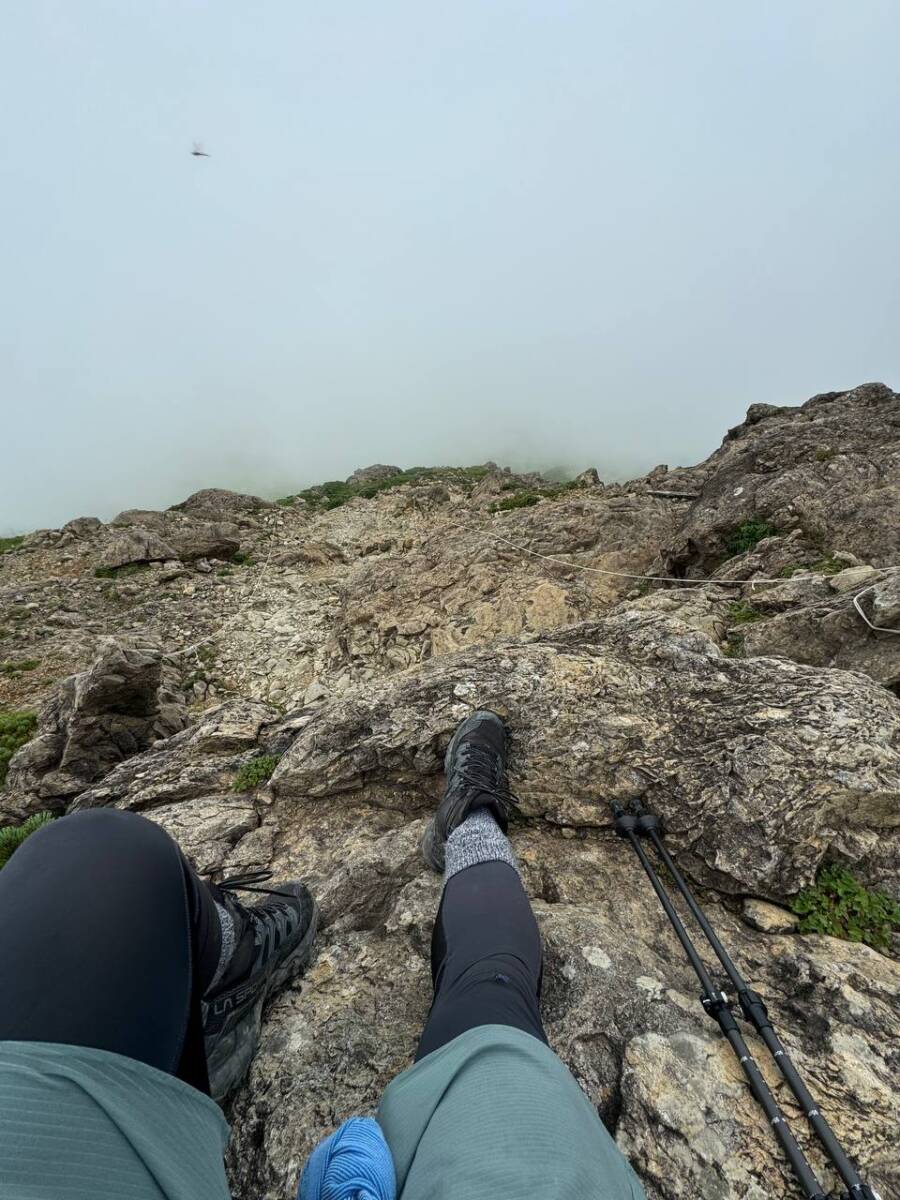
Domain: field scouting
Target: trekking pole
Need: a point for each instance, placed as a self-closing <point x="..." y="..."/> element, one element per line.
<point x="755" y="1011"/>
<point x="716" y="1005"/>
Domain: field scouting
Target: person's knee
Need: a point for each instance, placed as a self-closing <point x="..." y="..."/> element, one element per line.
<point x="95" y="833"/>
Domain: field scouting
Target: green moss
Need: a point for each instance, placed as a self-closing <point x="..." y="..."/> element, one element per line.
<point x="824" y="453"/>
<point x="242" y="558"/>
<point x="12" y="668"/>
<point x="16" y="729"/>
<point x="12" y="836"/>
<point x="123" y="572"/>
<point x="840" y="906"/>
<point x="255" y="772"/>
<point x="742" y="613"/>
<point x="11" y="543"/>
<point x="747" y="535"/>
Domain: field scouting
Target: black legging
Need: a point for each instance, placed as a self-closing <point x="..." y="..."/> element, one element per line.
<point x="485" y="957"/>
<point x="107" y="939"/>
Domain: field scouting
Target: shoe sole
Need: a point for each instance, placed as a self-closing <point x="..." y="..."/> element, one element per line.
<point x="434" y="855"/>
<point x="234" y="1052"/>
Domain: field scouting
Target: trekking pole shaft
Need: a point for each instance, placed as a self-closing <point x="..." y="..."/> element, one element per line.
<point x="755" y="1012"/>
<point x="716" y="1006"/>
<point x="766" y="1101"/>
<point x="695" y="960"/>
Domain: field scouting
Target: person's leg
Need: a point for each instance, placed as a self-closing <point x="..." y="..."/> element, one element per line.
<point x="107" y="939"/>
<point x="486" y="947"/>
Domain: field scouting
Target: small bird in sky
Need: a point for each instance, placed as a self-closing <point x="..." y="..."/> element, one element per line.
<point x="198" y="151"/>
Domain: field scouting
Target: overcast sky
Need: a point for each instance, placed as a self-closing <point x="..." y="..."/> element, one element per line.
<point x="539" y="231"/>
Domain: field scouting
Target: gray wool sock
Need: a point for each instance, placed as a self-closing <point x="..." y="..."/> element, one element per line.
<point x="226" y="948"/>
<point x="479" y="839"/>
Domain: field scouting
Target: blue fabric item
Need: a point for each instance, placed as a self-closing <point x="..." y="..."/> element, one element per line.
<point x="355" y="1163"/>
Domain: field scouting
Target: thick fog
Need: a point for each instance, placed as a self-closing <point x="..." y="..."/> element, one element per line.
<point x="546" y="232"/>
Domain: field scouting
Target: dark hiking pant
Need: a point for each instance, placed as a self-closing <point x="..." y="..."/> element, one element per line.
<point x="107" y="939"/>
<point x="485" y="957"/>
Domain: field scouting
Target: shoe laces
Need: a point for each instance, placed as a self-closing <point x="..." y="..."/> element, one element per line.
<point x="479" y="773"/>
<point x="247" y="882"/>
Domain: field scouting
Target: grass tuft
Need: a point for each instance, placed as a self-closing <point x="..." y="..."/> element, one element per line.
<point x="747" y="535"/>
<point x="255" y="772"/>
<point x="12" y="836"/>
<point x="13" y="668"/>
<point x="11" y="543"/>
<point x="16" y="729"/>
<point x="742" y="613"/>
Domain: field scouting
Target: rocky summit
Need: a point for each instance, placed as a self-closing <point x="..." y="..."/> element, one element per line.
<point x="276" y="683"/>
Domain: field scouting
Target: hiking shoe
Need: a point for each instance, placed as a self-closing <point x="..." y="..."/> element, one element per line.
<point x="272" y="943"/>
<point x="475" y="767"/>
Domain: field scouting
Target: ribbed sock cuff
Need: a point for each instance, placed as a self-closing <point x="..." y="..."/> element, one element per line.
<point x="226" y="924"/>
<point x="479" y="839"/>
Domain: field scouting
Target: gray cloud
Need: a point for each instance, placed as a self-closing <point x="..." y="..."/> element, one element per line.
<point x="541" y="233"/>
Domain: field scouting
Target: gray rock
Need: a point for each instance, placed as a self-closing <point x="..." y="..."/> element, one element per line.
<point x="219" y="503"/>
<point x="769" y="918"/>
<point x="886" y="602"/>
<point x="136" y="545"/>
<point x="851" y="579"/>
<point x="771" y="469"/>
<point x="82" y="526"/>
<point x="119" y="707"/>
<point x="373" y="474"/>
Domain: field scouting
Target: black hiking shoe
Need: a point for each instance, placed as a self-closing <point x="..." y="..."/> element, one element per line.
<point x="475" y="767"/>
<point x="272" y="943"/>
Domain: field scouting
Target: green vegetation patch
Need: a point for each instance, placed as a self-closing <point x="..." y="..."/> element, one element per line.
<point x="12" y="836"/>
<point x="12" y="668"/>
<point x="527" y="499"/>
<point x="122" y="572"/>
<point x="255" y="772"/>
<point x="747" y="535"/>
<point x="335" y="492"/>
<point x="734" y="646"/>
<point x="16" y="729"/>
<point x="518" y="500"/>
<point x="11" y="543"/>
<point x="840" y="906"/>
<point x="825" y="566"/>
<point x="742" y="613"/>
<point x="825" y="453"/>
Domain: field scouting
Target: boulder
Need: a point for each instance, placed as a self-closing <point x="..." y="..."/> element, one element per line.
<point x="374" y="474"/>
<point x="219" y="503"/>
<point x="886" y="602"/>
<point x="136" y="544"/>
<point x="126" y="700"/>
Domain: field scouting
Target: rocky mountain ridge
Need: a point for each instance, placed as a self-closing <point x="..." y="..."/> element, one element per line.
<point x="338" y="636"/>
